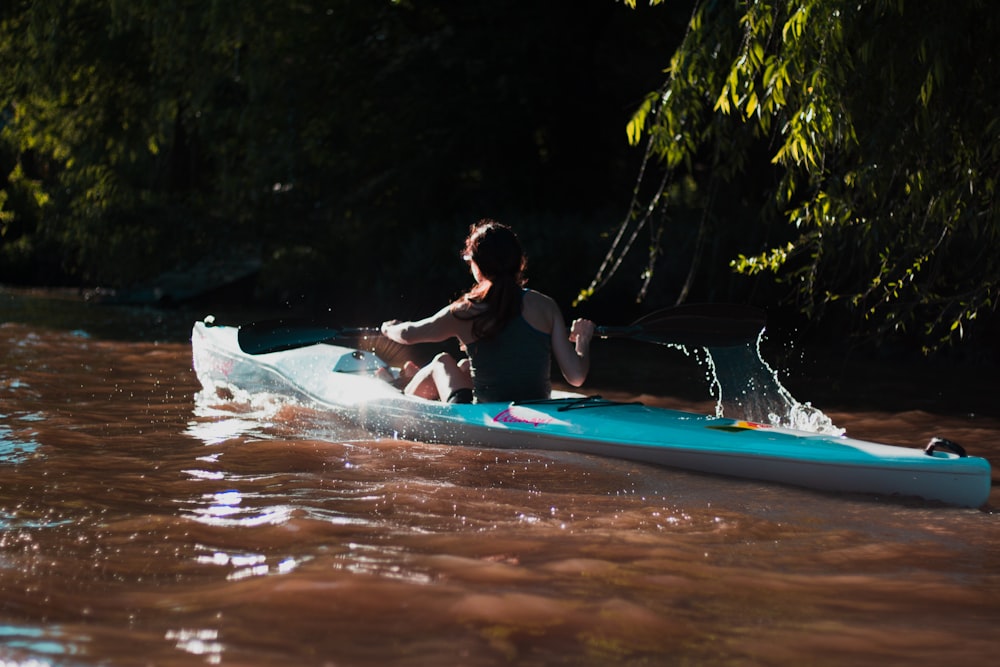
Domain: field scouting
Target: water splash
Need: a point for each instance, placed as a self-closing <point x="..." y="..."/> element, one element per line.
<point x="746" y="387"/>
<point x="224" y="412"/>
<point x="219" y="398"/>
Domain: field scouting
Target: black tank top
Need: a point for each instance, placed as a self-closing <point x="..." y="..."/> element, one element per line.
<point x="514" y="365"/>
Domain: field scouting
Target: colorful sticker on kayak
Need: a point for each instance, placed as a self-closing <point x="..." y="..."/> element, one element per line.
<point x="515" y="415"/>
<point x="738" y="426"/>
<point x="224" y="366"/>
<point x="227" y="367"/>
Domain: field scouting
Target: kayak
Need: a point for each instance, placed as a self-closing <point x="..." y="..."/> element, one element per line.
<point x="343" y="381"/>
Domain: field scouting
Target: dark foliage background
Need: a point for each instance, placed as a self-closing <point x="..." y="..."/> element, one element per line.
<point x="350" y="143"/>
<point x="347" y="145"/>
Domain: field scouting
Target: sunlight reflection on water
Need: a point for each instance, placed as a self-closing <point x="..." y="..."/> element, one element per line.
<point x="225" y="508"/>
<point x="200" y="642"/>
<point x="244" y="565"/>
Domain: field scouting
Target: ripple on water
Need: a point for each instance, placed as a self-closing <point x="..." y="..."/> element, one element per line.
<point x="146" y="526"/>
<point x="49" y="646"/>
<point x="17" y="439"/>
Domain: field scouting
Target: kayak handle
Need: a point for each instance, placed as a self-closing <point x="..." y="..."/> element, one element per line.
<point x="942" y="443"/>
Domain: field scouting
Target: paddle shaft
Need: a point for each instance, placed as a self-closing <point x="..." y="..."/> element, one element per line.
<point x="279" y="335"/>
<point x="697" y="325"/>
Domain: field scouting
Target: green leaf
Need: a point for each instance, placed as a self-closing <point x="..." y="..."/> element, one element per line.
<point x="637" y="123"/>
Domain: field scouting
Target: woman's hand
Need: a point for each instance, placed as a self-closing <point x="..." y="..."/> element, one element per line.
<point x="390" y="329"/>
<point x="572" y="350"/>
<point x="581" y="332"/>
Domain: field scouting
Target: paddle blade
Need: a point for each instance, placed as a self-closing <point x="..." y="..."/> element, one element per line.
<point x="288" y="334"/>
<point x="694" y="325"/>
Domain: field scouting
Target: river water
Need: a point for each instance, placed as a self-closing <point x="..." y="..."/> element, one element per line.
<point x="142" y="523"/>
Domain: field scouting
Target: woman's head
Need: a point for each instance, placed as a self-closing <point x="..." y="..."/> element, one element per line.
<point x="499" y="259"/>
<point x="497" y="252"/>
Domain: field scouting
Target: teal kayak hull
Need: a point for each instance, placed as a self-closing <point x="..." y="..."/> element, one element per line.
<point x="341" y="380"/>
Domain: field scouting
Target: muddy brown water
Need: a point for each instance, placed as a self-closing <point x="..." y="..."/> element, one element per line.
<point x="144" y="523"/>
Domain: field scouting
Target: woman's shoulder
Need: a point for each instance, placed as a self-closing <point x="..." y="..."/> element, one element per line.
<point x="465" y="309"/>
<point x="538" y="301"/>
<point x="540" y="310"/>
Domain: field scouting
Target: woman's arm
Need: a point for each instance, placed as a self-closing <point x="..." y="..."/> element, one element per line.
<point x="440" y="326"/>
<point x="572" y="350"/>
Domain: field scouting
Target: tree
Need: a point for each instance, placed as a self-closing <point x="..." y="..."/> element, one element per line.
<point x="348" y="141"/>
<point x="153" y="131"/>
<point x="874" y="129"/>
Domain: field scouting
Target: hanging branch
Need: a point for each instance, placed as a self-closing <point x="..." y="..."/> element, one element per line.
<point x="645" y="117"/>
<point x="699" y="244"/>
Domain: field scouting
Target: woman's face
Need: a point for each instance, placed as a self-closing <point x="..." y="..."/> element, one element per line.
<point x="475" y="271"/>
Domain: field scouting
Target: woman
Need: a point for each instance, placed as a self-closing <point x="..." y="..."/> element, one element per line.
<point x="509" y="332"/>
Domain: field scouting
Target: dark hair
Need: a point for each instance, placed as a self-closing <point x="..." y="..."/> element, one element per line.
<point x="497" y="252"/>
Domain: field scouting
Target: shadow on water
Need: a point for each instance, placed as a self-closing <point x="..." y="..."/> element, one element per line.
<point x="85" y="315"/>
<point x="747" y="386"/>
<point x="69" y="310"/>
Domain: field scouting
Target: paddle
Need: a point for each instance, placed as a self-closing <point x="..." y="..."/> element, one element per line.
<point x="696" y="325"/>
<point x="288" y="334"/>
